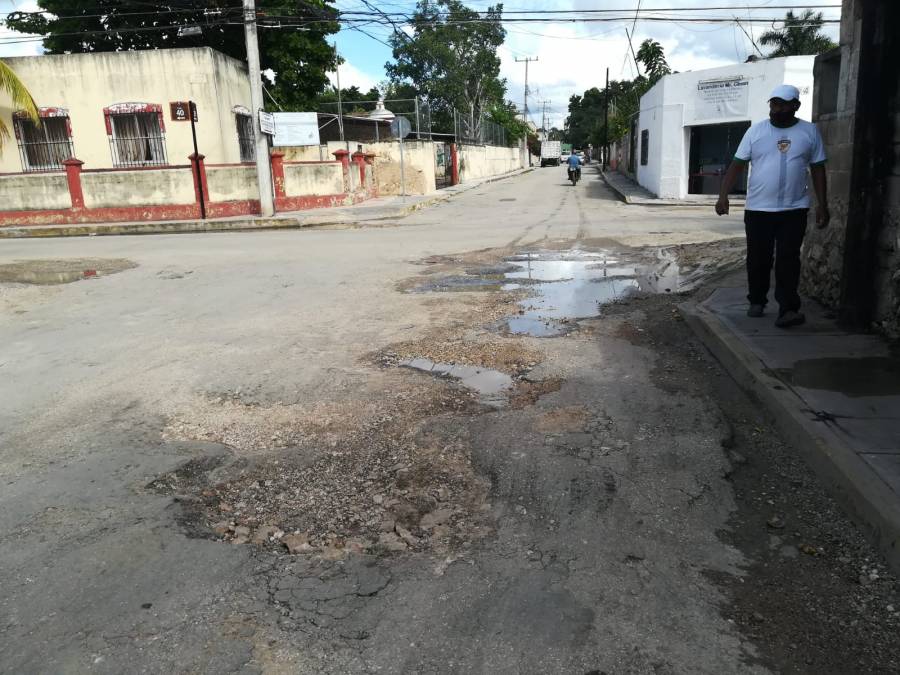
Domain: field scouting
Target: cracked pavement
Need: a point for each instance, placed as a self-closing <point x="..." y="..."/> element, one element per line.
<point x="587" y="516"/>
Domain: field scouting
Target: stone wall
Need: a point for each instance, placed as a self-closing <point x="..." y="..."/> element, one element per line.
<point x="887" y="276"/>
<point x="863" y="181"/>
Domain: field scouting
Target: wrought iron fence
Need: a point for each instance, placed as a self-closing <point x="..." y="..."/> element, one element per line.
<point x="133" y="151"/>
<point x="137" y="140"/>
<point x="246" y="140"/>
<point x="45" y="155"/>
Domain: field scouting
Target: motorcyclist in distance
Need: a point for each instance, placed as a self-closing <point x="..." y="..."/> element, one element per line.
<point x="574" y="164"/>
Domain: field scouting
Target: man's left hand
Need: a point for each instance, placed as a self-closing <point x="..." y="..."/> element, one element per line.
<point x="823" y="217"/>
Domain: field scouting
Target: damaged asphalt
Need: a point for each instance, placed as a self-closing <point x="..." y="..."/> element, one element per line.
<point x="170" y="432"/>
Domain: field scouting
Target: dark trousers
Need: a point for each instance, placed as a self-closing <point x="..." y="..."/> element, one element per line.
<point x="777" y="234"/>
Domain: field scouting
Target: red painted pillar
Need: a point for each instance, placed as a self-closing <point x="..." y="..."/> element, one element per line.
<point x="360" y="159"/>
<point x="373" y="186"/>
<point x="73" y="178"/>
<point x="343" y="156"/>
<point x="201" y="186"/>
<point x="454" y="165"/>
<point x="278" y="174"/>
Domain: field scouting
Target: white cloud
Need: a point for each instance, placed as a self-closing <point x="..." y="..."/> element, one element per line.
<point x="10" y="49"/>
<point x="353" y="76"/>
<point x="573" y="57"/>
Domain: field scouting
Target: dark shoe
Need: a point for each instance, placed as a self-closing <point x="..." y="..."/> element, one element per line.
<point x="790" y="318"/>
<point x="756" y="311"/>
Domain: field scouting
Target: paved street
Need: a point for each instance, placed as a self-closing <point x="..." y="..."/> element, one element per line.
<point x="593" y="494"/>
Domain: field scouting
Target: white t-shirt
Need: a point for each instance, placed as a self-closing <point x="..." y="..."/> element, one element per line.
<point x="778" y="164"/>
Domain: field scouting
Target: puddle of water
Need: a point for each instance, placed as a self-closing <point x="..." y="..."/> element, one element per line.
<point x="574" y="284"/>
<point x="869" y="376"/>
<point x="491" y="385"/>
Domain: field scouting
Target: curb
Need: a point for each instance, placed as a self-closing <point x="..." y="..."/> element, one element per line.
<point x="247" y="224"/>
<point x="641" y="201"/>
<point x="625" y="198"/>
<point x="868" y="500"/>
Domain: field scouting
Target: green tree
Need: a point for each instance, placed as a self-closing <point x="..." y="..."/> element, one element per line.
<point x="13" y="87"/>
<point x="801" y="35"/>
<point x="506" y="115"/>
<point x="451" y="60"/>
<point x="651" y="54"/>
<point x="297" y="53"/>
<point x="352" y="98"/>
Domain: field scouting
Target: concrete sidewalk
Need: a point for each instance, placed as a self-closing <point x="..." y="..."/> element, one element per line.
<point x="835" y="395"/>
<point x="632" y="193"/>
<point x="369" y="213"/>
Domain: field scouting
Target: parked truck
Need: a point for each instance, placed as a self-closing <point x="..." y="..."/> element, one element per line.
<point x="550" y="153"/>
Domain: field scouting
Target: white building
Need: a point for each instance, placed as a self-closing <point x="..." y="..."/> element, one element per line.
<point x="690" y="123"/>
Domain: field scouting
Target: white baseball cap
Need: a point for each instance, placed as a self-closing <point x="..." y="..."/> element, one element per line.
<point x="785" y="92"/>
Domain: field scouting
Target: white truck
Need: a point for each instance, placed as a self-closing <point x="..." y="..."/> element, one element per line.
<point x="550" y="153"/>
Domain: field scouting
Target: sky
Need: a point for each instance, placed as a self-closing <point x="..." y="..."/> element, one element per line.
<point x="571" y="57"/>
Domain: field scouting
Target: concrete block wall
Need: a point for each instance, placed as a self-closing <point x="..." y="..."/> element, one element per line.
<point x="27" y="192"/>
<point x="485" y="161"/>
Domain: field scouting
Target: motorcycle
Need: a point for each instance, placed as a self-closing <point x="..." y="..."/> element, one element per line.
<point x="574" y="174"/>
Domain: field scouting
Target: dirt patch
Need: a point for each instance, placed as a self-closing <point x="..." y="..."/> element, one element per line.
<point x="512" y="357"/>
<point x="562" y="420"/>
<point x="64" y="271"/>
<point x="382" y="475"/>
<point x="528" y="393"/>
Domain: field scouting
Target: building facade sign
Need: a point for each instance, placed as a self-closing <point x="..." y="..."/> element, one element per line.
<point x="180" y="110"/>
<point x="293" y="129"/>
<point x="725" y="97"/>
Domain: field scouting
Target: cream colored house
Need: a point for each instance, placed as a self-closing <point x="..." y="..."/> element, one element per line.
<point x="128" y="109"/>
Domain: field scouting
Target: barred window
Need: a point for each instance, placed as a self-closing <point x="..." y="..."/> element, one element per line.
<point x="246" y="138"/>
<point x="136" y="134"/>
<point x="46" y="146"/>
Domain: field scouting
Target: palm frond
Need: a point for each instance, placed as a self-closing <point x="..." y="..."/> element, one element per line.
<point x="21" y="99"/>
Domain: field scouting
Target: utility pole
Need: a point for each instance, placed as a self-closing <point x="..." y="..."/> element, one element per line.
<point x="263" y="165"/>
<point x="527" y="60"/>
<point x="545" y="118"/>
<point x="606" y="124"/>
<point x="337" y="75"/>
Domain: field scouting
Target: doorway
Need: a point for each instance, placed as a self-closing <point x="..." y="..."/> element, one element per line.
<point x="712" y="149"/>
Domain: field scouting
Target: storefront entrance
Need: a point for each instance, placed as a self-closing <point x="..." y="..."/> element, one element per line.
<point x="712" y="149"/>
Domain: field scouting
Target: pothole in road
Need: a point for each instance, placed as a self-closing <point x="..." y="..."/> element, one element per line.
<point x="66" y="271"/>
<point x="570" y="285"/>
<point x="492" y="386"/>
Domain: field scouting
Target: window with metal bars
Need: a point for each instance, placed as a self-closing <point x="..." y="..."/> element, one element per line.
<point x="46" y="146"/>
<point x="246" y="139"/>
<point x="136" y="136"/>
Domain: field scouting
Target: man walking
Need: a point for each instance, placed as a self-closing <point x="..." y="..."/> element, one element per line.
<point x="779" y="150"/>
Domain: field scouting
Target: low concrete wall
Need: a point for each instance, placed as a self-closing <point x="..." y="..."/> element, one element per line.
<point x="150" y="187"/>
<point x="315" y="179"/>
<point x="27" y="192"/>
<point x="231" y="183"/>
<point x="484" y="161"/>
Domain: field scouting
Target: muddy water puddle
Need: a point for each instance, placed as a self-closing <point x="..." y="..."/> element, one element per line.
<point x="492" y="386"/>
<point x="566" y="286"/>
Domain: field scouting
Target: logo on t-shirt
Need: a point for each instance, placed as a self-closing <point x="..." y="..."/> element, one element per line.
<point x="784" y="145"/>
